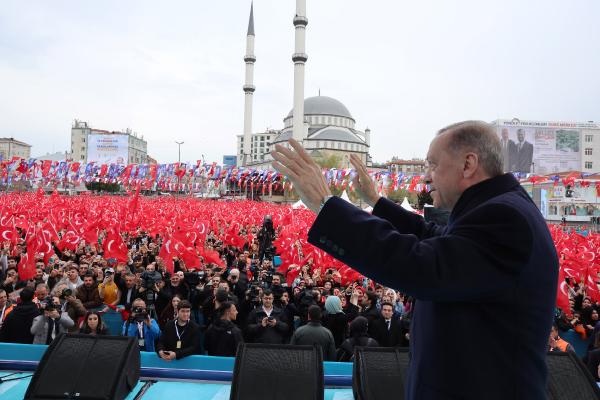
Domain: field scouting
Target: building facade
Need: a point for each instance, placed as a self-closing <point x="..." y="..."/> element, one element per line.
<point x="132" y="149"/>
<point x="10" y="147"/>
<point x="415" y="166"/>
<point x="260" y="145"/>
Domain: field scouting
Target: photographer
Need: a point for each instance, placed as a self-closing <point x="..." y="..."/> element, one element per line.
<point x="69" y="303"/>
<point x="51" y="323"/>
<point x="151" y="283"/>
<point x="180" y="337"/>
<point x="267" y="324"/>
<point x="140" y="325"/>
<point x="265" y="236"/>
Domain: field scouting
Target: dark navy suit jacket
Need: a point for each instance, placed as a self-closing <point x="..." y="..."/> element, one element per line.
<point x="485" y="287"/>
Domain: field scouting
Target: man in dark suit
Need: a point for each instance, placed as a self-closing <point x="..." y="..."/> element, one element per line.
<point x="508" y="151"/>
<point x="386" y="330"/>
<point x="523" y="153"/>
<point x="128" y="289"/>
<point x="485" y="284"/>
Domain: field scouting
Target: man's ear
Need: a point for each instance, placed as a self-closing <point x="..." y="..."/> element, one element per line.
<point x="471" y="165"/>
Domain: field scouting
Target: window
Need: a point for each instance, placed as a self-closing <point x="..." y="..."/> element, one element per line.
<point x="262" y="138"/>
<point x="83" y="149"/>
<point x="83" y="140"/>
<point x="339" y="146"/>
<point x="589" y="138"/>
<point x="588" y="165"/>
<point x="345" y="146"/>
<point x="588" y="151"/>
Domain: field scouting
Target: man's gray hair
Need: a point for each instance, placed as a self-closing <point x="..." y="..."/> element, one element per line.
<point x="480" y="138"/>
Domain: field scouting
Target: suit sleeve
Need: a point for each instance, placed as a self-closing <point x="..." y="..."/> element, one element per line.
<point x="405" y="221"/>
<point x="481" y="255"/>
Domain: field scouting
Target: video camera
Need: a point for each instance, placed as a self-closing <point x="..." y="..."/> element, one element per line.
<point x="65" y="293"/>
<point x="150" y="278"/>
<point x="193" y="279"/>
<point x="139" y="314"/>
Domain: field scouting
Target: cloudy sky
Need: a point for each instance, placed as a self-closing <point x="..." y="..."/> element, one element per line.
<point x="174" y="70"/>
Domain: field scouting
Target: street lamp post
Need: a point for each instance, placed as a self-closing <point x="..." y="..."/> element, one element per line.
<point x="178" y="166"/>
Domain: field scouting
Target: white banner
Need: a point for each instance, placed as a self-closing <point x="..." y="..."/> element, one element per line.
<point x="108" y="149"/>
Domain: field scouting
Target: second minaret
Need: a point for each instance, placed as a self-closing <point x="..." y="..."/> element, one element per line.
<point x="299" y="58"/>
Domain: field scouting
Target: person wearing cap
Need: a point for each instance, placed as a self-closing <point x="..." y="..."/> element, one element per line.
<point x="108" y="289"/>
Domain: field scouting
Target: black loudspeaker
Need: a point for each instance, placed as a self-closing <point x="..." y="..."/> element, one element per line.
<point x="569" y="379"/>
<point x="86" y="367"/>
<point x="275" y="372"/>
<point x="379" y="371"/>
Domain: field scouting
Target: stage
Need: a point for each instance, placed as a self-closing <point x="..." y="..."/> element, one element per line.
<point x="204" y="377"/>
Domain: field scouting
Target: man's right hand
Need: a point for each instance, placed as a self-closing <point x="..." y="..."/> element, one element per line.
<point x="363" y="183"/>
<point x="264" y="322"/>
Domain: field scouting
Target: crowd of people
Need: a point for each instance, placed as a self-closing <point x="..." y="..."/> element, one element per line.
<point x="583" y="318"/>
<point x="206" y="310"/>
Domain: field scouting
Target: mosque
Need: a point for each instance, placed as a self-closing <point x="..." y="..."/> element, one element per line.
<point x="323" y="125"/>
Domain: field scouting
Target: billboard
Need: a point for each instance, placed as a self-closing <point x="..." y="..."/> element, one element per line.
<point x="108" y="149"/>
<point x="541" y="147"/>
<point x="230" y="161"/>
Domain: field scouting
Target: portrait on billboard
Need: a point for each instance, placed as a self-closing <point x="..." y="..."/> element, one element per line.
<point x="517" y="149"/>
<point x="539" y="150"/>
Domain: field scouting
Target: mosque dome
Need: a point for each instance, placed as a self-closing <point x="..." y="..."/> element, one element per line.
<point x="323" y="105"/>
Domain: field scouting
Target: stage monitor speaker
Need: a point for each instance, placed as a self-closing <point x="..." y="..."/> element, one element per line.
<point x="276" y="372"/>
<point x="86" y="367"/>
<point x="569" y="379"/>
<point x="379" y="371"/>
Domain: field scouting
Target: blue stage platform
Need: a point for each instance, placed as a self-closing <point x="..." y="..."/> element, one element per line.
<point x="205" y="377"/>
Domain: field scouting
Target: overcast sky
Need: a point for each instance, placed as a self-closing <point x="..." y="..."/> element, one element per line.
<point x="174" y="70"/>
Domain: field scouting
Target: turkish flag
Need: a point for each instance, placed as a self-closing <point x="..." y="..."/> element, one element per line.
<point x="26" y="266"/>
<point x="114" y="247"/>
<point x="562" y="294"/>
<point x="69" y="241"/>
<point x="167" y="253"/>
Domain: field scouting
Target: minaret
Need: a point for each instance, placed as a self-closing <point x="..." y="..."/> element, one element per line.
<point x="299" y="58"/>
<point x="249" y="88"/>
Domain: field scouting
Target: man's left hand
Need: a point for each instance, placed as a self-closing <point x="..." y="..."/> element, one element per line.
<point x="303" y="172"/>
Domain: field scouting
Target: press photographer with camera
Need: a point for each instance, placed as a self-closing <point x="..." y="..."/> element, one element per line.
<point x="180" y="337"/>
<point x="141" y="326"/>
<point x="267" y="324"/>
<point x="46" y="327"/>
<point x="265" y="237"/>
<point x="151" y="283"/>
<point x="69" y="303"/>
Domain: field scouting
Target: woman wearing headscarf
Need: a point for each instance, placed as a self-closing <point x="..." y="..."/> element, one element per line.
<point x="358" y="337"/>
<point x="335" y="319"/>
